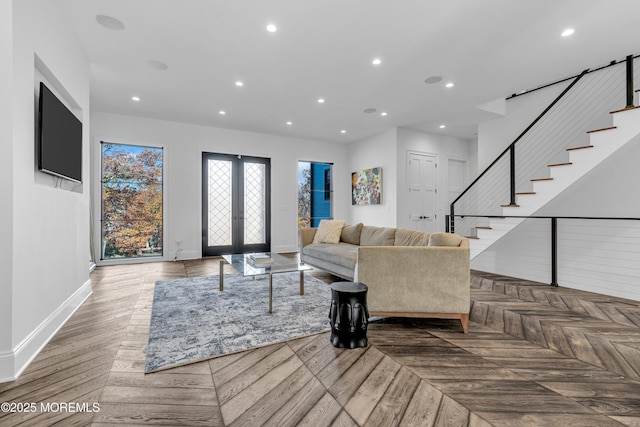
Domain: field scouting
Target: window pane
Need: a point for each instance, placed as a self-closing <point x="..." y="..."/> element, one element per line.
<point x="314" y="193"/>
<point x="131" y="201"/>
<point x="304" y="194"/>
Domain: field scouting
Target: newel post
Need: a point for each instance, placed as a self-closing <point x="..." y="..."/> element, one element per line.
<point x="512" y="152"/>
<point x="554" y="251"/>
<point x="630" y="81"/>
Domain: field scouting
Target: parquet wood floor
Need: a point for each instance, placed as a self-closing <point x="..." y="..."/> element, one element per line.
<point x="413" y="373"/>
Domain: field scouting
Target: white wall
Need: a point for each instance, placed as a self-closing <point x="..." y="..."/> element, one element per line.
<point x="6" y="190"/>
<point x="445" y="147"/>
<point x="389" y="150"/>
<point x="378" y="150"/>
<point x="183" y="147"/>
<point x="50" y="225"/>
<point x="473" y="159"/>
<point x="494" y="136"/>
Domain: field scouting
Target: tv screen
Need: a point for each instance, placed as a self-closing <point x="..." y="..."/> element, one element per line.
<point x="60" y="138"/>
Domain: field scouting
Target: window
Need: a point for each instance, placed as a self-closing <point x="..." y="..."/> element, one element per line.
<point x="131" y="188"/>
<point x="314" y="193"/>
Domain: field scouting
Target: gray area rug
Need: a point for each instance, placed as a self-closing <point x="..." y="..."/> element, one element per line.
<point x="191" y="320"/>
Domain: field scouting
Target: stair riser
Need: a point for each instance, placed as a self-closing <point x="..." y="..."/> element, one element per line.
<point x="626" y="121"/>
<point x="578" y="156"/>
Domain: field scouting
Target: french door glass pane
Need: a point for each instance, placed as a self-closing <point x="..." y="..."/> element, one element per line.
<point x="220" y="203"/>
<point x="254" y="203"/>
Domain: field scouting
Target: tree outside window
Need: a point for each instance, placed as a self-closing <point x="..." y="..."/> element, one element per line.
<point x="131" y="201"/>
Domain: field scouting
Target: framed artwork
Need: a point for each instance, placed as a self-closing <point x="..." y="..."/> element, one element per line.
<point x="366" y="187"/>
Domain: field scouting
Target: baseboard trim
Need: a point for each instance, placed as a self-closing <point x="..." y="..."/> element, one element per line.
<point x="13" y="363"/>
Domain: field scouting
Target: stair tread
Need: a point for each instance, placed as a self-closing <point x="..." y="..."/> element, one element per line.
<point x="483" y="227"/>
<point x="579" y="148"/>
<point x="624" y="109"/>
<point x="510" y="206"/>
<point x="521" y="193"/>
<point x="601" y="129"/>
<point x="559" y="164"/>
<point x="542" y="179"/>
<point x="472" y="237"/>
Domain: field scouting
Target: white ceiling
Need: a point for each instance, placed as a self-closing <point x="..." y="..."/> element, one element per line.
<point x="324" y="48"/>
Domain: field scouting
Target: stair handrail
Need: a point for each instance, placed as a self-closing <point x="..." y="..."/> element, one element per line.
<point x="450" y="226"/>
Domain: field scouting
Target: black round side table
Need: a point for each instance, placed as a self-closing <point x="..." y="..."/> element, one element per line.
<point x="349" y="315"/>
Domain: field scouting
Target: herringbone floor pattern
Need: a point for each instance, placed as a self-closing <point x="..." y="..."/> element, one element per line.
<point x="414" y="372"/>
<point x="602" y="331"/>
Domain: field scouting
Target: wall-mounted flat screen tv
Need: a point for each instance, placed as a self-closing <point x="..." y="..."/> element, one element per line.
<point x="59" y="138"/>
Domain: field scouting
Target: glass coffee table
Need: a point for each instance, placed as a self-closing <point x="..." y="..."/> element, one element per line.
<point x="263" y="263"/>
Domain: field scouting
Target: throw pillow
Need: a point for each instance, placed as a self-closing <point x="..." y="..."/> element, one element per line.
<point x="329" y="231"/>
<point x="444" y="239"/>
<point x="351" y="234"/>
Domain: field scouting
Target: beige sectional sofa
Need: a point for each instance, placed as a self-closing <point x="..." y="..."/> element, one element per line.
<point x="408" y="273"/>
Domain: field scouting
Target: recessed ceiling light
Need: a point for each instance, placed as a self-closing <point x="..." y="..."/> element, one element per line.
<point x="442" y="126"/>
<point x="449" y="85"/>
<point x="239" y="83"/>
<point x="135" y="98"/>
<point x="376" y="61"/>
<point x="289" y="123"/>
<point x="370" y="110"/>
<point x="321" y="101"/>
<point x="157" y="65"/>
<point x="272" y="28"/>
<point x="110" y="23"/>
<point x="343" y="131"/>
<point x="384" y="113"/>
<point x="433" y="79"/>
<point x="567" y="32"/>
<point x="222" y="112"/>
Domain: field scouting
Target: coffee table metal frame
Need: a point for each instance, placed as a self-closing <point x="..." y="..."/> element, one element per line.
<point x="278" y="264"/>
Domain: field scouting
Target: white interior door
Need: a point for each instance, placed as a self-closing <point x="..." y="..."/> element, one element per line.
<point x="422" y="181"/>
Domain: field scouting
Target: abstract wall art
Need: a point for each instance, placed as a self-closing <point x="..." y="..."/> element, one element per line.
<point x="366" y="187"/>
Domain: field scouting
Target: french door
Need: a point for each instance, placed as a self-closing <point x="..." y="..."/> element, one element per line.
<point x="236" y="204"/>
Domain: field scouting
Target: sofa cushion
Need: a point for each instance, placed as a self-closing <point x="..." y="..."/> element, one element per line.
<point x="351" y="234"/>
<point x="329" y="231"/>
<point x="377" y="236"/>
<point x="343" y="254"/>
<point x="406" y="237"/>
<point x="444" y="239"/>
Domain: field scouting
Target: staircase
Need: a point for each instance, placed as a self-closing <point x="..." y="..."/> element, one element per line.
<point x="582" y="159"/>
